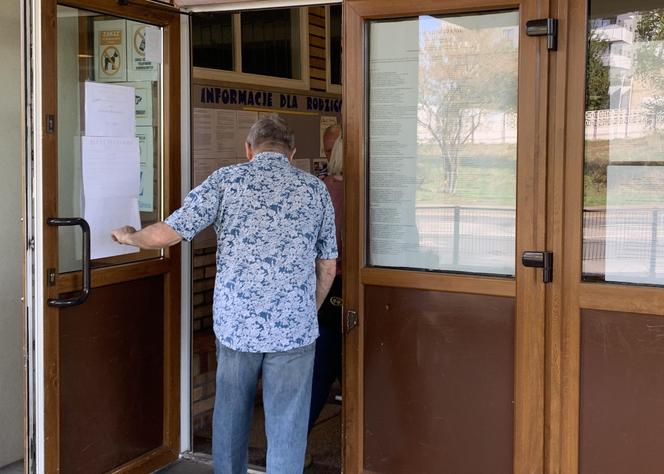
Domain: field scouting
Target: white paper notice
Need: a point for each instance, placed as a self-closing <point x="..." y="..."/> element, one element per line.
<point x="203" y="124"/>
<point x="146" y="190"/>
<point x="245" y="121"/>
<point x="153" y="44"/>
<point x="110" y="110"/>
<point x="214" y="141"/>
<point x="325" y="123"/>
<point x="111" y="176"/>
<point x="142" y="101"/>
<point x="223" y="134"/>
<point x="634" y="215"/>
<point x="304" y="165"/>
<point x="394" y="96"/>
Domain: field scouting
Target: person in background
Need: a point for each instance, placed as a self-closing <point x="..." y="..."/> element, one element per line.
<point x="276" y="260"/>
<point x="327" y="362"/>
<point x="330" y="136"/>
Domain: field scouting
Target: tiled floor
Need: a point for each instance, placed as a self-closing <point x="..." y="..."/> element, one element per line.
<point x="324" y="442"/>
<point x="324" y="445"/>
<point x="187" y="466"/>
<point x="15" y="468"/>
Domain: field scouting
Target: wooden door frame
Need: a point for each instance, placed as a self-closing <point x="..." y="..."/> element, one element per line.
<point x="529" y="448"/>
<point x="169" y="265"/>
<point x="565" y="338"/>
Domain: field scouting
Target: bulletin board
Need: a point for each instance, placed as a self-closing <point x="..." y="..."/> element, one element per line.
<point x="223" y="114"/>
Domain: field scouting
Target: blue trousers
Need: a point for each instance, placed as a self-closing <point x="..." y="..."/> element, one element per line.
<point x="327" y="363"/>
<point x="286" y="398"/>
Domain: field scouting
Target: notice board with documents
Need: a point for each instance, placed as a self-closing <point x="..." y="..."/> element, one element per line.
<point x="223" y="114"/>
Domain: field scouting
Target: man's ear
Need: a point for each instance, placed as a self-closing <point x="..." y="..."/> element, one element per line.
<point x="292" y="154"/>
<point x="248" y="151"/>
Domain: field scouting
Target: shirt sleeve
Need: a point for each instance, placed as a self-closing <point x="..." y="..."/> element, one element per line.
<point x="199" y="210"/>
<point x="326" y="246"/>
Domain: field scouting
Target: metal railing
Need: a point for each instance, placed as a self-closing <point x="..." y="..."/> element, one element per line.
<point x="469" y="237"/>
<point x="631" y="238"/>
<point x="483" y="238"/>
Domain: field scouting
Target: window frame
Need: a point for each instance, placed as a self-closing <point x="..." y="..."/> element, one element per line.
<point x="330" y="86"/>
<point x="237" y="76"/>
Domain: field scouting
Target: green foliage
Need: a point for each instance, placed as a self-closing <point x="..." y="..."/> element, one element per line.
<point x="649" y="58"/>
<point x="597" y="75"/>
<point x="464" y="74"/>
<point x="650" y="26"/>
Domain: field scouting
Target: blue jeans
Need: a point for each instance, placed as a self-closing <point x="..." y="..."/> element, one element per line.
<point x="286" y="399"/>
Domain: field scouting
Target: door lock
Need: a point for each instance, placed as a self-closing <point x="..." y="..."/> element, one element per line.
<point x="351" y="320"/>
<point x="542" y="260"/>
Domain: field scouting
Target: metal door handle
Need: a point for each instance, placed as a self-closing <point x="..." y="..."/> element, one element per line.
<point x="81" y="296"/>
<point x="539" y="259"/>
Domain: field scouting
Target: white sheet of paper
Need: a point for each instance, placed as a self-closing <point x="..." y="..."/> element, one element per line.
<point x="111" y="167"/>
<point x="304" y="165"/>
<point x="111" y="177"/>
<point x="145" y="137"/>
<point x="205" y="167"/>
<point x="106" y="214"/>
<point x="225" y="122"/>
<point x="245" y="120"/>
<point x="203" y="128"/>
<point x="634" y="197"/>
<point x="110" y="110"/>
<point x="153" y="44"/>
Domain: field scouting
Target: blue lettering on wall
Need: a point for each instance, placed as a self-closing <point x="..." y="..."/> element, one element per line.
<point x="265" y="99"/>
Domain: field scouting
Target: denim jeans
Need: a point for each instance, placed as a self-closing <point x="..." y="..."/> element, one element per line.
<point x="286" y="399"/>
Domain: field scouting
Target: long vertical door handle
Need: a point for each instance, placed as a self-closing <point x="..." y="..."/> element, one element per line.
<point x="82" y="295"/>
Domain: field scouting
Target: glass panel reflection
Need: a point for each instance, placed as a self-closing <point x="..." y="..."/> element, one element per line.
<point x="335" y="44"/>
<point x="442" y="142"/>
<point x="271" y="43"/>
<point x="212" y="40"/>
<point x="101" y="49"/>
<point x="624" y="147"/>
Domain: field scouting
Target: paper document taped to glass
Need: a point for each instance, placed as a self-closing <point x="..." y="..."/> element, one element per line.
<point x="111" y="177"/>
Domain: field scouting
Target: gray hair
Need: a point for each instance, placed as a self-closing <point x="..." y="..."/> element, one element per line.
<point x="271" y="133"/>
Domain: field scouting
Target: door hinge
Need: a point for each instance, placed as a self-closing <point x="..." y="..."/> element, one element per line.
<point x="50" y="123"/>
<point x="543" y="260"/>
<point x="351" y="320"/>
<point x="50" y="277"/>
<point x="544" y="27"/>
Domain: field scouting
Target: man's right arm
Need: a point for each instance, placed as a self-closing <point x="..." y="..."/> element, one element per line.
<point x="325" y="272"/>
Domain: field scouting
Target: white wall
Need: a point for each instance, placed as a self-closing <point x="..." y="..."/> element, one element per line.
<point x="11" y="372"/>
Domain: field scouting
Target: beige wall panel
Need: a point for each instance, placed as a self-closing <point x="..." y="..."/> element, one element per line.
<point x="11" y="377"/>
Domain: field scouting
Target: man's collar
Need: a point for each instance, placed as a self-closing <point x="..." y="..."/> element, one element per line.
<point x="270" y="156"/>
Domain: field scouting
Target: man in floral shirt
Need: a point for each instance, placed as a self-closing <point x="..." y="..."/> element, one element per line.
<point x="276" y="259"/>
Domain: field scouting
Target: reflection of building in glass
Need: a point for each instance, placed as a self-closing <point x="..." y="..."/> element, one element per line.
<point x="625" y="97"/>
<point x="617" y="34"/>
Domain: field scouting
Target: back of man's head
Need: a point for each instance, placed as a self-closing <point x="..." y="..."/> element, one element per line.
<point x="271" y="133"/>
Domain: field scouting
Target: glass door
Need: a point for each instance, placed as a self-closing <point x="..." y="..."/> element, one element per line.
<point x="110" y="158"/>
<point x="613" y="351"/>
<point x="446" y="214"/>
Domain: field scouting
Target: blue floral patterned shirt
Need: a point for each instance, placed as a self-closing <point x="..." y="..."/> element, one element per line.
<point x="272" y="222"/>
